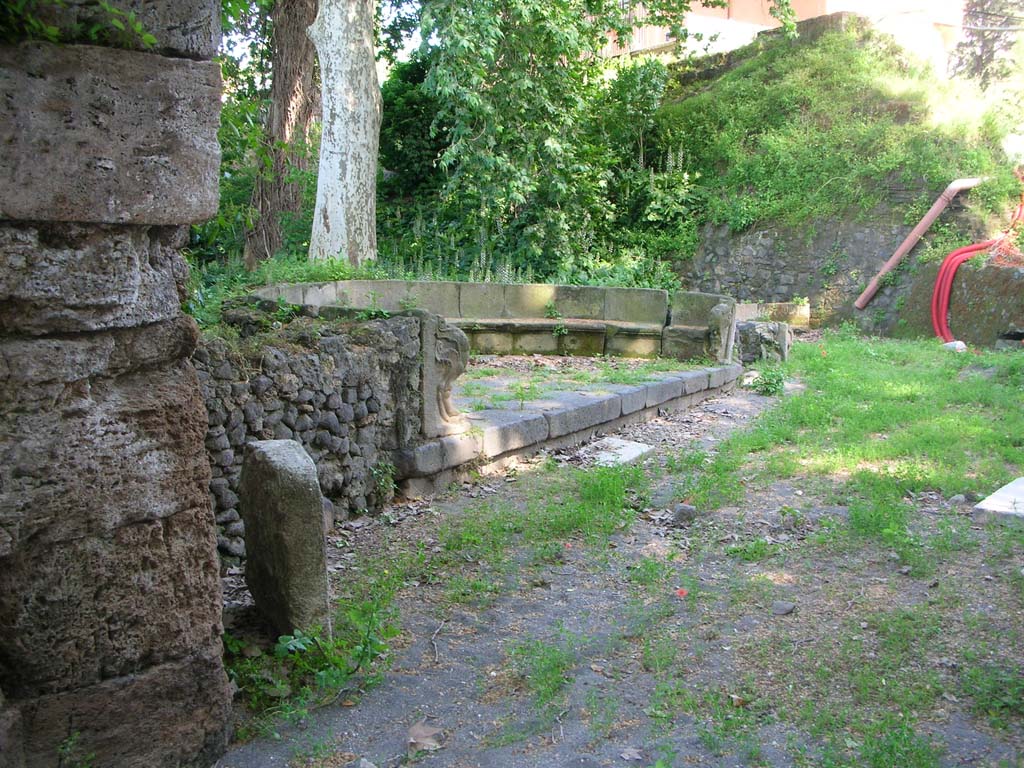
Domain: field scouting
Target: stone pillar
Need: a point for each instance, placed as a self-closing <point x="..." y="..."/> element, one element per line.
<point x="445" y="357"/>
<point x="109" y="591"/>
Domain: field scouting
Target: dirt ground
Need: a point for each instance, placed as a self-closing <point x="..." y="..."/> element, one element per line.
<point x="680" y="643"/>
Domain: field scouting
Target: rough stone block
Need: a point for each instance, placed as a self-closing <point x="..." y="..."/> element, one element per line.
<point x="152" y="587"/>
<point x="694" y="381"/>
<point x="664" y="390"/>
<point x="12" y="753"/>
<point x="282" y="508"/>
<point x="584" y="302"/>
<point x="107" y="136"/>
<point x="189" y="28"/>
<point x="717" y="377"/>
<point x="510" y="430"/>
<point x="63" y="278"/>
<point x="482" y="300"/>
<point x="684" y="343"/>
<point x="169" y="716"/>
<point x="129" y="448"/>
<point x="613" y="452"/>
<point x="528" y="300"/>
<point x="569" y="412"/>
<point x="636" y="305"/>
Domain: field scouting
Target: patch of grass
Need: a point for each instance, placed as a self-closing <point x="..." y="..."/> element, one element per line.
<point x="544" y="668"/>
<point x="659" y="653"/>
<point x="996" y="692"/>
<point x="895" y="743"/>
<point x="752" y="551"/>
<point x="648" y="571"/>
<point x="601" y="710"/>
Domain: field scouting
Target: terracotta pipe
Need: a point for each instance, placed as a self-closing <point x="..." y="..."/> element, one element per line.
<point x="922" y="226"/>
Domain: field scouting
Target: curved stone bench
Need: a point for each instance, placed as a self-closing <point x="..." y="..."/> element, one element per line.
<point x="517" y="318"/>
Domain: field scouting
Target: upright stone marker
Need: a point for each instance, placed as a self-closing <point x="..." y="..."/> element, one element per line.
<point x="282" y="508"/>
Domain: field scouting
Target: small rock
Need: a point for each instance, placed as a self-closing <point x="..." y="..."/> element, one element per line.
<point x="952" y="346"/>
<point x="364" y="763"/>
<point x="905" y="570"/>
<point x="958" y="499"/>
<point x="783" y="607"/>
<point x="683" y="514"/>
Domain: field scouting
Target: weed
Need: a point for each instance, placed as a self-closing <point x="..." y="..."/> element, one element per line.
<point x="544" y="667"/>
<point x="752" y="551"/>
<point x="997" y="692"/>
<point x="770" y="381"/>
<point x="893" y="743"/>
<point x="68" y="753"/>
<point x="659" y="653"/>
<point x="602" y="711"/>
<point x="648" y="571"/>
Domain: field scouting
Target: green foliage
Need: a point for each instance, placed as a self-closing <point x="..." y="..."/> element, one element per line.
<point x="771" y="380"/>
<point x="107" y="25"/>
<point x="751" y="551"/>
<point x="411" y="141"/>
<point x="996" y="692"/>
<point x="808" y="130"/>
<point x="68" y="753"/>
<point x="544" y="667"/>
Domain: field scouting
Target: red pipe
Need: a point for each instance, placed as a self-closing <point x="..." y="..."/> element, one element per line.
<point x="952" y="262"/>
<point x="915" y="234"/>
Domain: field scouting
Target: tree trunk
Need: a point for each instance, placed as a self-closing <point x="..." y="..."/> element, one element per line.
<point x="345" y="220"/>
<point x="293" y="102"/>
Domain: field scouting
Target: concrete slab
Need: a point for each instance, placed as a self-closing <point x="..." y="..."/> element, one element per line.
<point x="1005" y="506"/>
<point x="613" y="451"/>
<point x="569" y="412"/>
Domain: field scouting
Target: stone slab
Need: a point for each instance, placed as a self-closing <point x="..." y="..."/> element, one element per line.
<point x="634" y="397"/>
<point x="614" y="451"/>
<point x="693" y="381"/>
<point x="319" y="294"/>
<point x="490" y="342"/>
<point x="107" y="136"/>
<point x="718" y="376"/>
<point x="189" y="28"/>
<point x="1005" y="506"/>
<point x="636" y="305"/>
<point x="732" y="371"/>
<point x="422" y="460"/>
<point x="684" y="342"/>
<point x="569" y="412"/>
<point x="580" y="301"/>
<point x="505" y="431"/>
<point x="535" y="343"/>
<point x="481" y="300"/>
<point x="663" y="390"/>
<point x="694" y="308"/>
<point x="624" y="344"/>
<point x="529" y="300"/>
<point x="460" y="449"/>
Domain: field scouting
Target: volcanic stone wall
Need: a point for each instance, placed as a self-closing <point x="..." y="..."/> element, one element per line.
<point x="348" y="392"/>
<point x="109" y="593"/>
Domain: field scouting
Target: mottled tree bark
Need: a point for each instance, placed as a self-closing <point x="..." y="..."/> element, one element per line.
<point x="345" y="220"/>
<point x="293" y="106"/>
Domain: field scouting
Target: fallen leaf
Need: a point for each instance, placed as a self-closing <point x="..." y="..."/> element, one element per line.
<point x="738" y="701"/>
<point x="423" y="738"/>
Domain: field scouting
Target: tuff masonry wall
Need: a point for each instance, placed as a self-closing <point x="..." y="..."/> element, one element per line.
<point x="109" y="593"/>
<point x="349" y="393"/>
